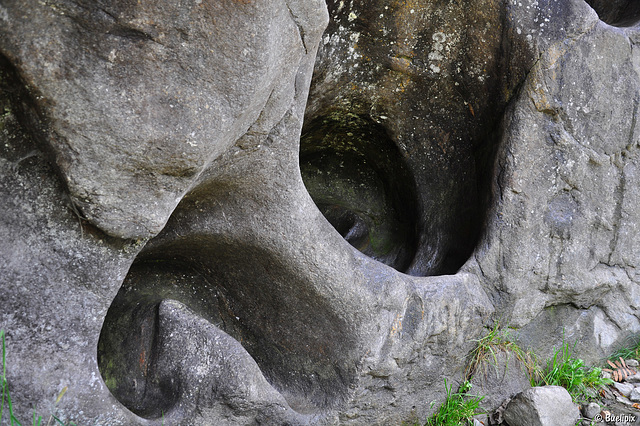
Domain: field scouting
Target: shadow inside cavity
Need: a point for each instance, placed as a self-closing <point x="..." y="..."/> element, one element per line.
<point x="290" y="332"/>
<point x="618" y="13"/>
<point x="359" y="181"/>
<point x="128" y="345"/>
<point x="365" y="188"/>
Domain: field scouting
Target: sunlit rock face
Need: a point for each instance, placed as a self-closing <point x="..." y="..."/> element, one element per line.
<point x="292" y="212"/>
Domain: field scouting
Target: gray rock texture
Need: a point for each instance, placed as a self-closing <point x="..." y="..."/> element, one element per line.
<point x="500" y="377"/>
<point x="542" y="406"/>
<point x="624" y="388"/>
<point x="214" y="213"/>
<point x="590" y="410"/>
<point x="566" y="179"/>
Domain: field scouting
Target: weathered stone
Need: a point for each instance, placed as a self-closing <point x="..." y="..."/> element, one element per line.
<point x="542" y="406"/>
<point x="624" y="400"/>
<point x="590" y="410"/>
<point x="137" y="97"/>
<point x="624" y="388"/>
<point x="434" y="81"/>
<point x="161" y="252"/>
<point x="634" y="396"/>
<point x="565" y="174"/>
<point x="498" y="378"/>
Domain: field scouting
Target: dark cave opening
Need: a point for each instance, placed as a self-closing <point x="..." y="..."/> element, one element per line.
<point x="618" y="13"/>
<point x="360" y="182"/>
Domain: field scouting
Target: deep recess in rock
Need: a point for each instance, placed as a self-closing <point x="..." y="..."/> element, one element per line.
<point x="619" y="13"/>
<point x="128" y="355"/>
<point x="359" y="181"/>
<point x="237" y="294"/>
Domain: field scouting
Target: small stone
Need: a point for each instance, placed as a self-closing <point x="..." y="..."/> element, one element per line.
<point x="632" y="363"/>
<point x="635" y="394"/>
<point x="624" y="400"/>
<point x="635" y="378"/>
<point x="624" y="388"/>
<point x="542" y="406"/>
<point x="590" y="410"/>
<point x="606" y="375"/>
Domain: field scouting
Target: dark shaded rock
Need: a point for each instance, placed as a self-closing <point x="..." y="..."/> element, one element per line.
<point x="621" y="13"/>
<point x="361" y="184"/>
<point x="542" y="406"/>
<point x="435" y="79"/>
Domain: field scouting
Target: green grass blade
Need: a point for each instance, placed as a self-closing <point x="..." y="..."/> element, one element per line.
<point x="58" y="420"/>
<point x="4" y="372"/>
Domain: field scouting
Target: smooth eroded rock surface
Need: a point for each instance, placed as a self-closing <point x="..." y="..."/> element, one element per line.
<point x="213" y="212"/>
<point x="542" y="406"/>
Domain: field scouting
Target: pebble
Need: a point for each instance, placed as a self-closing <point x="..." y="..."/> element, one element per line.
<point x="624" y="400"/>
<point x="632" y="363"/>
<point x="590" y="410"/>
<point x="635" y="395"/>
<point x="624" y="388"/>
<point x="635" y="378"/>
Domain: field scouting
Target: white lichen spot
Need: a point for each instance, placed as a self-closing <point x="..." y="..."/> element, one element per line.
<point x="435" y="56"/>
<point x="412" y="11"/>
<point x="439" y="37"/>
<point x="352" y="16"/>
<point x="112" y="55"/>
<point x="434" y="68"/>
<point x="340" y="6"/>
<point x="519" y="31"/>
<point x="198" y="1"/>
<point x="354" y="37"/>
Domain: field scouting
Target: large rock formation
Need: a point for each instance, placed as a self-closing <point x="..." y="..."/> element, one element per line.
<point x="178" y="180"/>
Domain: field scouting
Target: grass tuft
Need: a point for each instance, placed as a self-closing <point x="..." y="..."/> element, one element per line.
<point x="458" y="407"/>
<point x="565" y="370"/>
<point x="630" y="352"/>
<point x="499" y="339"/>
